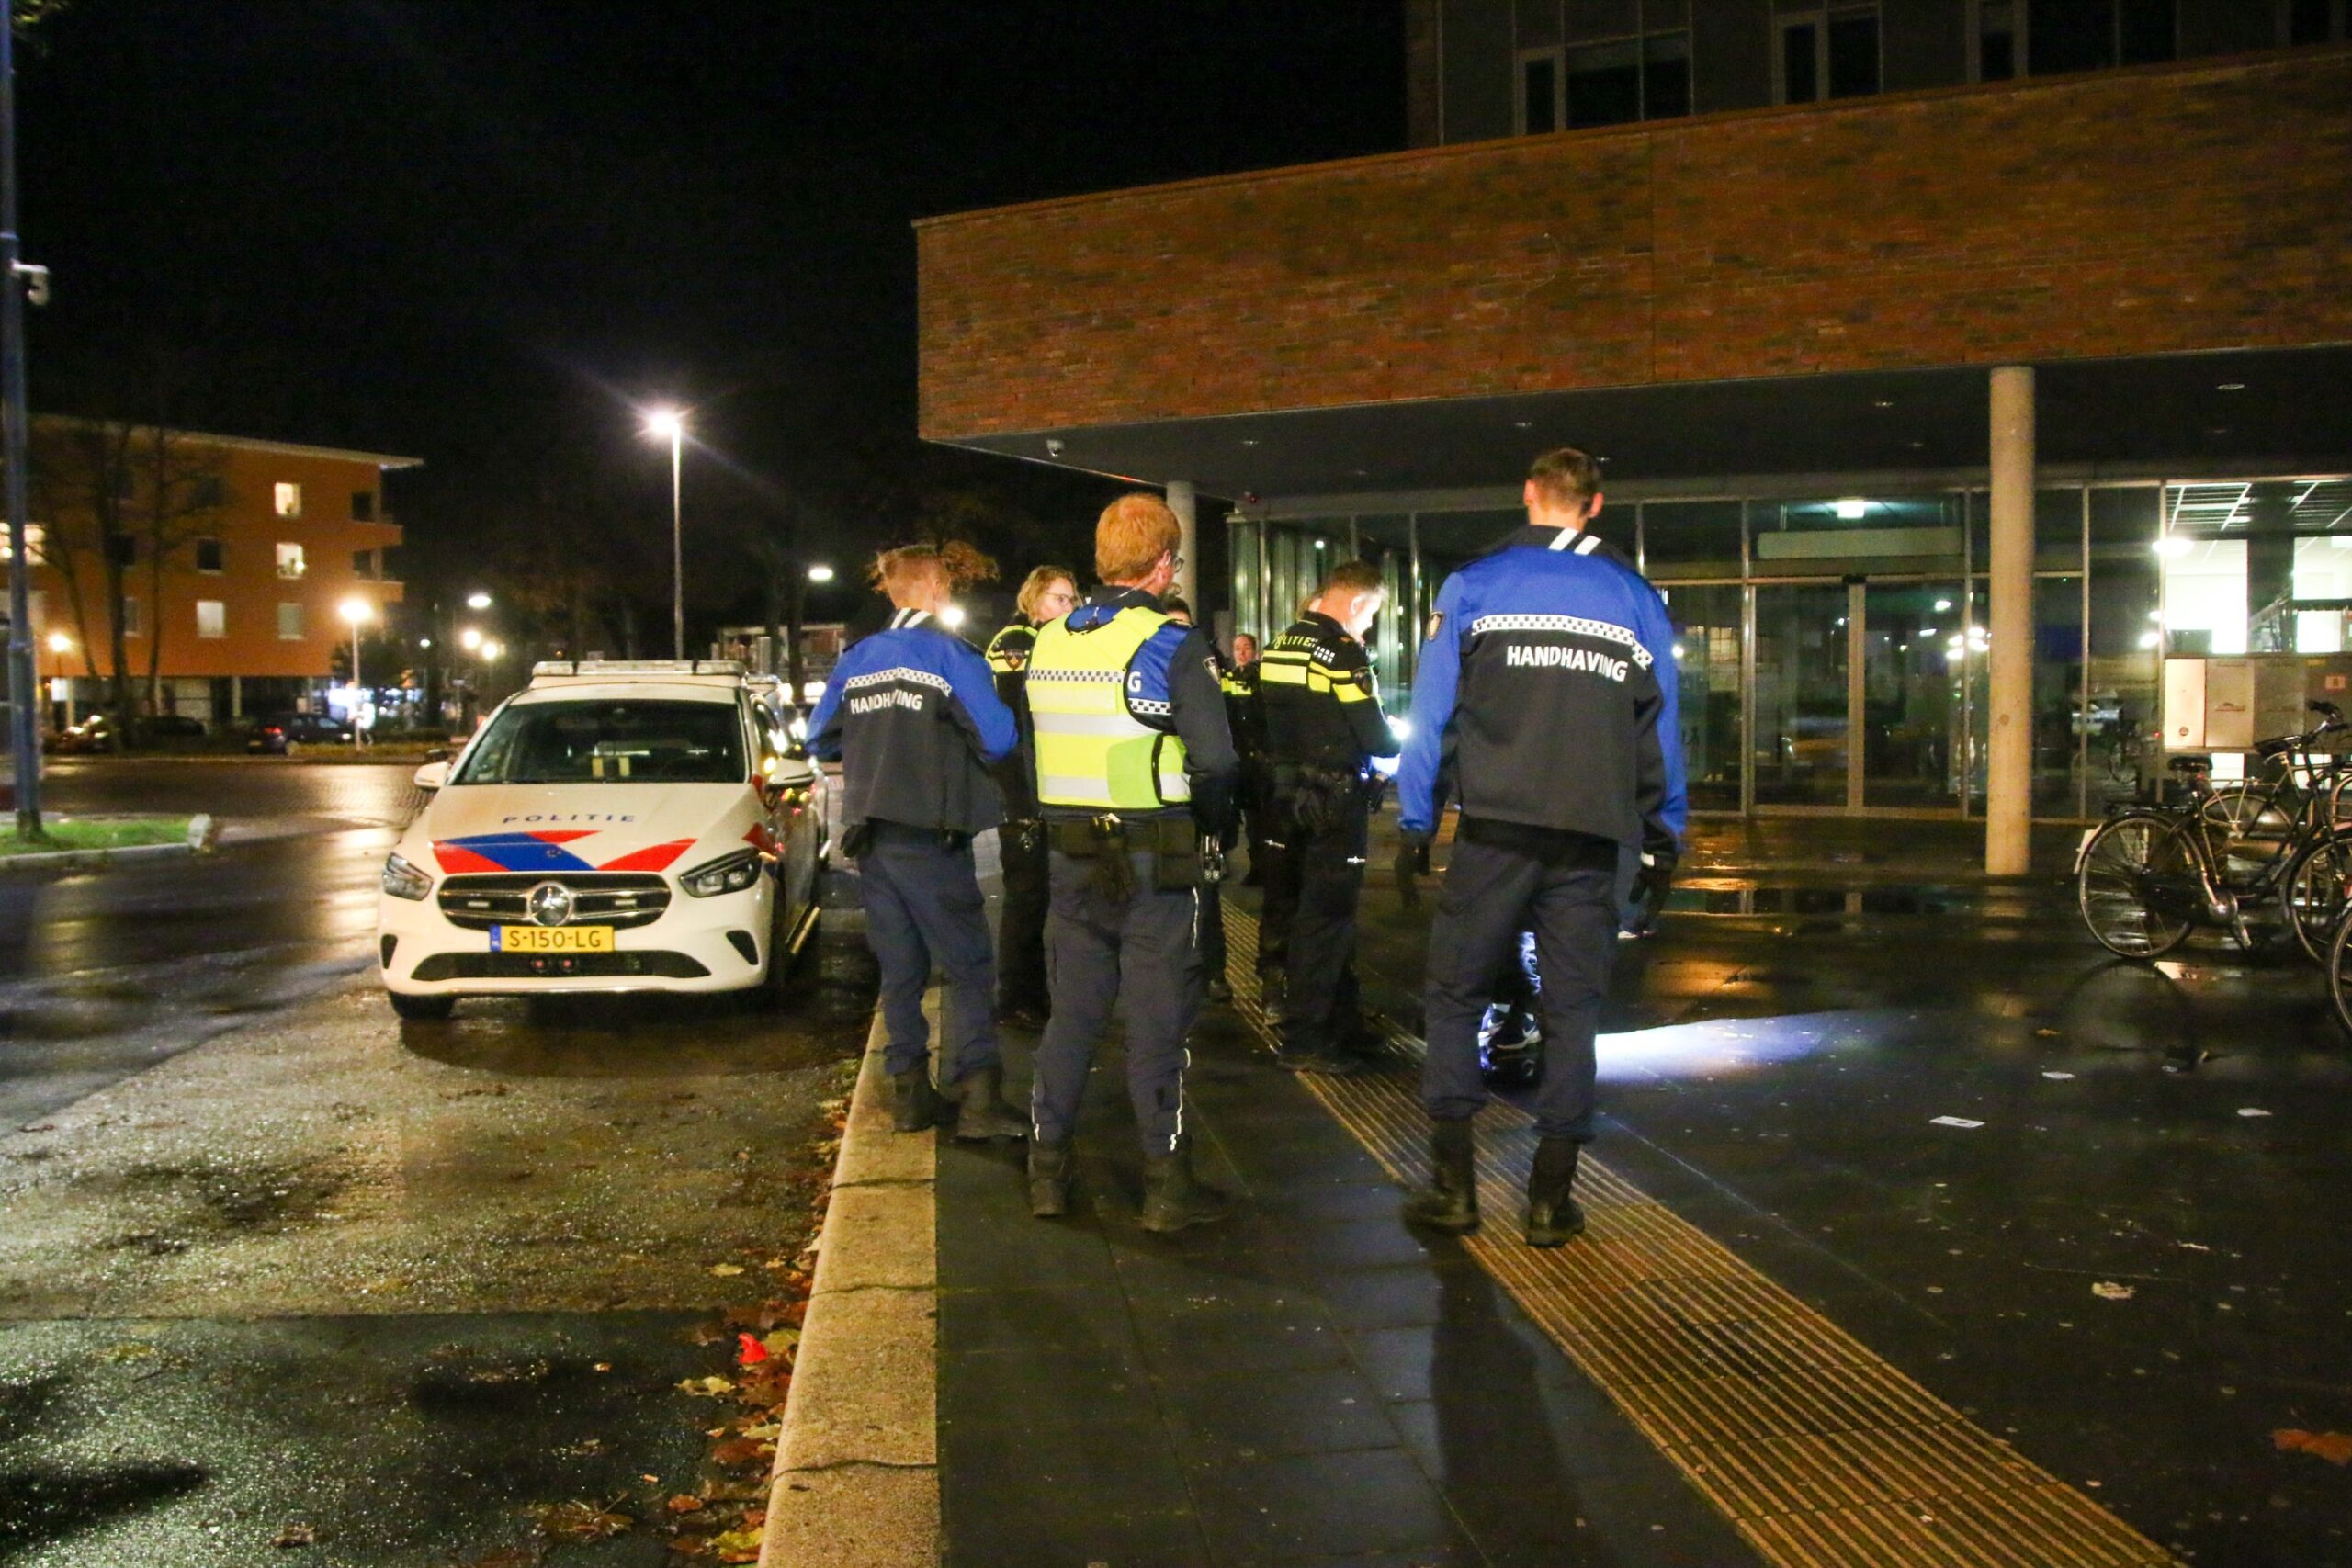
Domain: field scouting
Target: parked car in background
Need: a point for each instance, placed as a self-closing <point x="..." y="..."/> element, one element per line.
<point x="171" y="726"/>
<point x="275" y="733"/>
<point x="99" y="733"/>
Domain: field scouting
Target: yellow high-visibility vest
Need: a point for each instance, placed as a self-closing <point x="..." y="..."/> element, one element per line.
<point x="1092" y="750"/>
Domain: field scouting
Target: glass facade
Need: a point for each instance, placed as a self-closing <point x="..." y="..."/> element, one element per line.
<point x="1834" y="650"/>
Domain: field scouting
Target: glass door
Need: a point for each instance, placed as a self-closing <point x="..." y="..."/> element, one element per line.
<point x="1911" y="707"/>
<point x="1802" y="729"/>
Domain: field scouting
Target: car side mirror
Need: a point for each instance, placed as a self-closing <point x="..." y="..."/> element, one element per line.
<point x="791" y="771"/>
<point x="433" y="776"/>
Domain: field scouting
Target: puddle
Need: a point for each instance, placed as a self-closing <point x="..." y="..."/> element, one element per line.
<point x="470" y="1384"/>
<point x="1716" y="897"/>
<point x="229" y="1198"/>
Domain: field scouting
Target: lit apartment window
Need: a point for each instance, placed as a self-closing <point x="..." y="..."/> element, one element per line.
<point x="134" y="618"/>
<point x="211" y="618"/>
<point x="289" y="621"/>
<point x="33" y="536"/>
<point x="1831" y="52"/>
<point x="2316" y="21"/>
<point x="362" y="563"/>
<point x="289" y="499"/>
<point x="289" y="560"/>
<point x="363" y="506"/>
<point x="212" y="555"/>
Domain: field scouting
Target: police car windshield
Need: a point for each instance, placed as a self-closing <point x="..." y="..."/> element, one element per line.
<point x="609" y="742"/>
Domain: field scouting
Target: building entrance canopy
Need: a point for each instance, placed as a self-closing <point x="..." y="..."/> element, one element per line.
<point x="2273" y="411"/>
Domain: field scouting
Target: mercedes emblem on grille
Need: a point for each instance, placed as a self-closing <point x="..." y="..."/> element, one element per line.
<point x="550" y="904"/>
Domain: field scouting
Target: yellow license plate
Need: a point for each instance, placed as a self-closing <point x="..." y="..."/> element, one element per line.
<point x="551" y="938"/>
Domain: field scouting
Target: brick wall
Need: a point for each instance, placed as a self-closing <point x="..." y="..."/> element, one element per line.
<point x="2159" y="211"/>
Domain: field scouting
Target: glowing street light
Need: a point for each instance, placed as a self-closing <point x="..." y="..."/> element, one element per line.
<point x="478" y="600"/>
<point x="669" y="425"/>
<point x="491" y="650"/>
<point x="357" y="610"/>
<point x="59" y="643"/>
<point x="821" y="573"/>
<point x="469" y="639"/>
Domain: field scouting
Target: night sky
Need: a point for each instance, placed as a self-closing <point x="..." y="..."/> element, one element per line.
<point x="477" y="231"/>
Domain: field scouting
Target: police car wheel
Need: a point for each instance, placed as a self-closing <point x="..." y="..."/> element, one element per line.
<point x="422" y="1009"/>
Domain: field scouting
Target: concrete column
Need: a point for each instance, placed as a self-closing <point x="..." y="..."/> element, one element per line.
<point x="1188" y="576"/>
<point x="2009" y="807"/>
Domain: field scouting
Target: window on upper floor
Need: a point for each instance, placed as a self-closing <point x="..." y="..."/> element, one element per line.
<point x="289" y="620"/>
<point x="2090" y="35"/>
<point x="289" y="560"/>
<point x="362" y="563"/>
<point x="363" y="506"/>
<point x="122" y="550"/>
<point x="134" y="618"/>
<point x="34" y="534"/>
<point x="211" y="618"/>
<point x="212" y="555"/>
<point x="1607" y="81"/>
<point x="1995" y="36"/>
<point x="2314" y="21"/>
<point x="1827" y="51"/>
<point x="289" y="499"/>
<point x="207" y="493"/>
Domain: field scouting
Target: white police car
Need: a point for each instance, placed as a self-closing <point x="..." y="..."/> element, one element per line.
<point x="618" y="826"/>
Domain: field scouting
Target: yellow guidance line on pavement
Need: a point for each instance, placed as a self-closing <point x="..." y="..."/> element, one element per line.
<point x="1820" y="1454"/>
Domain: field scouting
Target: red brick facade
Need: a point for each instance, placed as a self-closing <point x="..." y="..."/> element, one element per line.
<point x="2150" y="211"/>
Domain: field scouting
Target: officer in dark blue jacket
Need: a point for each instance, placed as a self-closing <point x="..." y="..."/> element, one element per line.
<point x="914" y="717"/>
<point x="1545" y="703"/>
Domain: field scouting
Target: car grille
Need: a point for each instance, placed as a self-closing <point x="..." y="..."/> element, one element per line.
<point x="619" y="898"/>
<point x="557" y="965"/>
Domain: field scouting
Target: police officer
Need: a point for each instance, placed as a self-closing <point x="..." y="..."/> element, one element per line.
<point x="1323" y="725"/>
<point x="1243" y="713"/>
<point x="1212" y="948"/>
<point x="911" y="715"/>
<point x="1547" y="691"/>
<point x="1134" y="761"/>
<point x="1048" y="594"/>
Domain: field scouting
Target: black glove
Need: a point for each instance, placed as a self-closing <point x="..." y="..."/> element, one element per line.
<point x="1652" y="882"/>
<point x="1412" y="863"/>
<point x="1213" y="806"/>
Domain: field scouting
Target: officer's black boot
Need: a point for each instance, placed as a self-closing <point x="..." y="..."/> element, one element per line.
<point x="1450" y="1202"/>
<point x="915" y="1106"/>
<point x="1048" y="1179"/>
<point x="1173" y="1198"/>
<point x="1552" y="1215"/>
<point x="1273" y="988"/>
<point x="982" y="1112"/>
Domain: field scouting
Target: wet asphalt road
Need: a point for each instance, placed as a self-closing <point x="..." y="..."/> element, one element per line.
<point x="268" y="1258"/>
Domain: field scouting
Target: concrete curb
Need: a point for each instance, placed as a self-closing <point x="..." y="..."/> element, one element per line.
<point x="856" y="1479"/>
<point x="90" y="860"/>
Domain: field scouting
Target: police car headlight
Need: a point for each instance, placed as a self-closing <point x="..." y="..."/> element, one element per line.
<point x="728" y="873"/>
<point x="402" y="880"/>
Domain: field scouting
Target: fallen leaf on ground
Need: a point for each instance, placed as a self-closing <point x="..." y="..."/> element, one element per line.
<point x="737" y="1546"/>
<point x="684" y="1503"/>
<point x="296" y="1535"/>
<point x="583" y="1521"/>
<point x="749" y="1351"/>
<point x="725" y="1271"/>
<point x="781" y="1340"/>
<point x="2334" y="1446"/>
<point x="712" y="1387"/>
<point x="740" y="1451"/>
<point x="2109" y="1290"/>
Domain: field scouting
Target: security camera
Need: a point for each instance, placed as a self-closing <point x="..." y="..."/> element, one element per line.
<point x="1053" y="447"/>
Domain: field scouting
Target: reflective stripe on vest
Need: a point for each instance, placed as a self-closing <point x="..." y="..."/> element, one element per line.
<point x="1092" y="752"/>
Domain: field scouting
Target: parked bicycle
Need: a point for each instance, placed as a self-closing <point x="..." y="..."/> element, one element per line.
<point x="2150" y="874"/>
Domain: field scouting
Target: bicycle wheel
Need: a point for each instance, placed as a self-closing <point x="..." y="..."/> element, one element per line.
<point x="2312" y="895"/>
<point x="2248" y="829"/>
<point x="2137" y="889"/>
<point x="2339" y="972"/>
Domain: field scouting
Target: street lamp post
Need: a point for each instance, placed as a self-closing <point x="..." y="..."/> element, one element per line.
<point x="356" y="611"/>
<point x="672" y="424"/>
<point x="23" y="736"/>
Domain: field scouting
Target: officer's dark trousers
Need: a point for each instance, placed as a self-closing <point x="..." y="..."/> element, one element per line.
<point x="1325" y="875"/>
<point x="1141" y="953"/>
<point x="1277" y="895"/>
<point x="1021" y="923"/>
<point x="1501" y="880"/>
<point x="923" y="909"/>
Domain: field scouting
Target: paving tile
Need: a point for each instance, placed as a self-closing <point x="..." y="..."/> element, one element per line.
<point x="1035" y="1385"/>
<point x="1399" y="1295"/>
<point x="1374" y="1500"/>
<point x="1367" y="1243"/>
<point x="1223" y="1417"/>
<point x="1082" y="1317"/>
<point x="1241" y="1339"/>
<point x="1068" y="1492"/>
<point x="1455" y="1360"/>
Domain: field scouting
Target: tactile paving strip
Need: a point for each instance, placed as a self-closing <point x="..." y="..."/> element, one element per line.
<point x="1820" y="1453"/>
